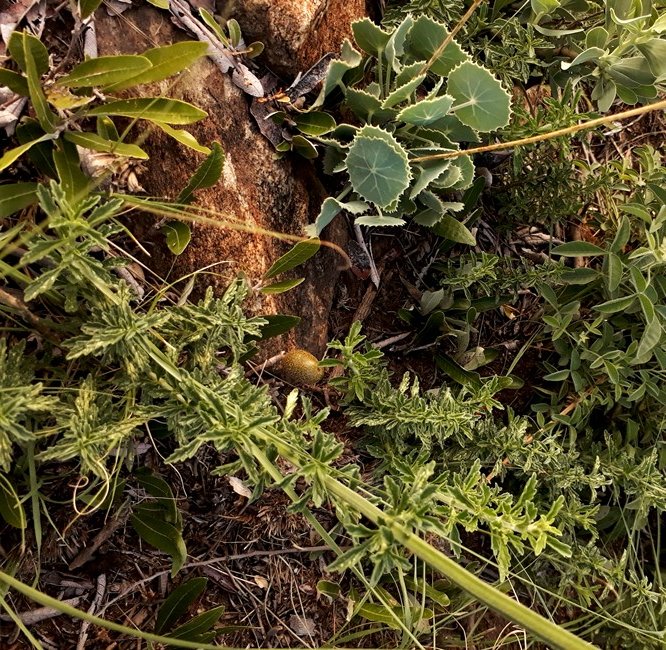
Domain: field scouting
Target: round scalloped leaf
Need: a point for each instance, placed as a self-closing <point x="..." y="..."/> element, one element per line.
<point x="377" y="166"/>
<point x="369" y="37"/>
<point x="481" y="102"/>
<point x="427" y="111"/>
<point x="466" y="166"/>
<point x="425" y="36"/>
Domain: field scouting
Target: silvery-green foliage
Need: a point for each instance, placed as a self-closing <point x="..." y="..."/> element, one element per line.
<point x="413" y="102"/>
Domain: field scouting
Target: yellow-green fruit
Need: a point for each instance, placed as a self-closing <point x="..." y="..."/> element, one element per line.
<point x="300" y="367"/>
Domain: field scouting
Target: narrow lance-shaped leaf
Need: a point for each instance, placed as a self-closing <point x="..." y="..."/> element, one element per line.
<point x="16" y="196"/>
<point x="14" y="81"/>
<point x="160" y="109"/>
<point x="104" y="70"/>
<point x="206" y="175"/>
<point x="165" y="62"/>
<point x="178" y="602"/>
<point x="96" y="143"/>
<point x="298" y="255"/>
<point x="182" y="136"/>
<point x="13" y="154"/>
<point x="163" y="536"/>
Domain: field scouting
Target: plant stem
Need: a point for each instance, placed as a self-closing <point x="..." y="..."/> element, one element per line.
<point x="590" y="124"/>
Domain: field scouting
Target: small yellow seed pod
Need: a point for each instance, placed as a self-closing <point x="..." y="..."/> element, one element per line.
<point x="301" y="368"/>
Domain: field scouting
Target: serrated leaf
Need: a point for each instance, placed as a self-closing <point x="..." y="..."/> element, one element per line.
<point x="367" y="107"/>
<point x="427" y="172"/>
<point x="409" y="72"/>
<point x="182" y="136"/>
<point x="480" y="101"/>
<point x="377" y="166"/>
<point x="348" y="60"/>
<point x="395" y="47"/>
<point x="22" y="43"/>
<point x="14" y="81"/>
<point x="165" y="62"/>
<point x="314" y="123"/>
<point x="330" y="208"/>
<point x="578" y="249"/>
<point x="425" y="36"/>
<point x="426" y="112"/>
<point x="105" y="70"/>
<point x="466" y="167"/>
<point x="178" y="602"/>
<point x="298" y="255"/>
<point x="178" y="235"/>
<point x="88" y="7"/>
<point x="163" y="536"/>
<point x="450" y="228"/>
<point x="159" y="109"/>
<point x="404" y="92"/>
<point x="371" y="38"/>
<point x="16" y="196"/>
<point x="281" y="287"/>
<point x="11" y="508"/>
<point x="380" y="221"/>
<point x="206" y="175"/>
<point x="96" y="143"/>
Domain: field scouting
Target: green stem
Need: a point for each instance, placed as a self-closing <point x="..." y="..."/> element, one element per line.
<point x="541" y="627"/>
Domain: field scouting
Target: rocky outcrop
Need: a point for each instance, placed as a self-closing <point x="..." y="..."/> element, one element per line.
<point x="255" y="196"/>
<point x="296" y="32"/>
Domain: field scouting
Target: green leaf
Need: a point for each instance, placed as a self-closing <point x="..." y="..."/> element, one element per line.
<point x="457" y="372"/>
<point x="330" y="208"/>
<point x="96" y="143"/>
<point x="303" y="147"/>
<point x="74" y="182"/>
<point x="22" y="44"/>
<point x="314" y="123"/>
<point x="650" y="339"/>
<point x="178" y="603"/>
<point x="198" y="625"/>
<point x="105" y="70"/>
<point x="298" y="255"/>
<point x="182" y="136"/>
<point x="234" y="32"/>
<point x="369" y="37"/>
<point x="615" y="305"/>
<point x="177" y="235"/>
<point x="349" y="59"/>
<point x="107" y="129"/>
<point x="88" y="7"/>
<point x="281" y="287"/>
<point x="11" y="509"/>
<point x="450" y="228"/>
<point x="426" y="111"/>
<point x="480" y="100"/>
<point x="426" y="173"/>
<point x="367" y="107"/>
<point x="403" y="93"/>
<point x="580" y="276"/>
<point x="14" y="81"/>
<point x="157" y="487"/>
<point x="163" y="536"/>
<point x="278" y="324"/>
<point x="165" y="61"/>
<point x="379" y="220"/>
<point x="160" y="4"/>
<point x="578" y="249"/>
<point x="425" y="36"/>
<point x="15" y="197"/>
<point x="40" y="154"/>
<point x="655" y="53"/>
<point x="32" y="57"/>
<point x="377" y="166"/>
<point x="614" y="271"/>
<point x="207" y="174"/>
<point x="159" y="109"/>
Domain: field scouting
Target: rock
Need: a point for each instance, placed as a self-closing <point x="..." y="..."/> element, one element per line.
<point x="296" y="33"/>
<point x="255" y="197"/>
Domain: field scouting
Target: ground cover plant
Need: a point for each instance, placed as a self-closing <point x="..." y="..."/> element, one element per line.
<point x="493" y="472"/>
